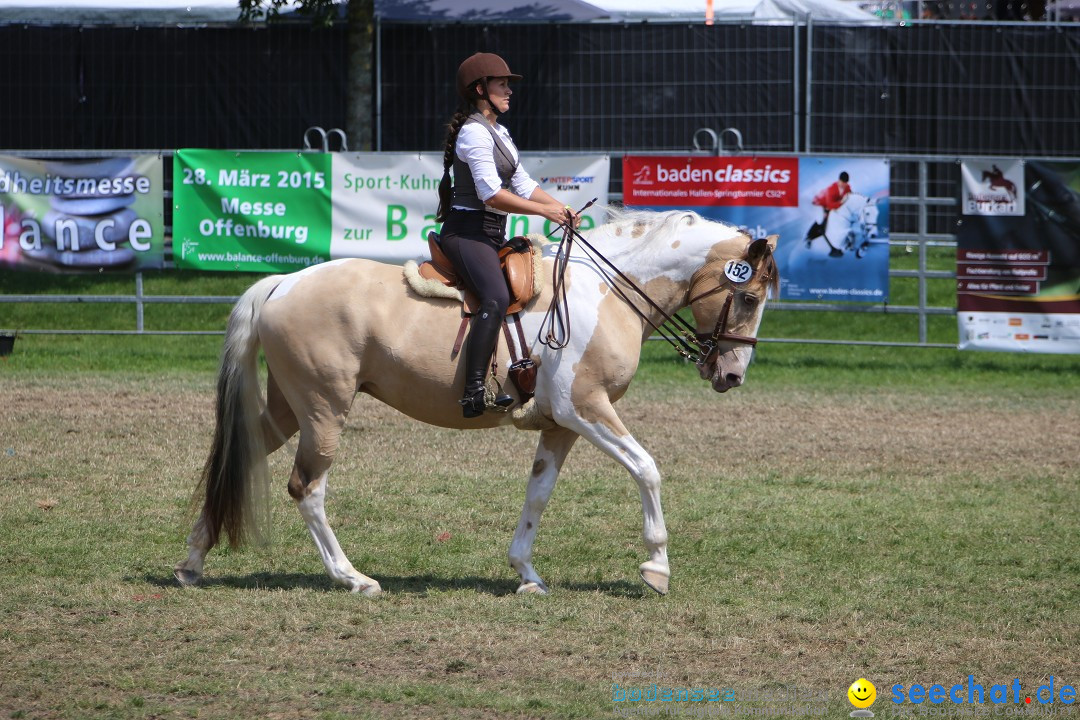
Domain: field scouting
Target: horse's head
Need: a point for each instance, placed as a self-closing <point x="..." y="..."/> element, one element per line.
<point x="727" y="297"/>
<point x="855" y="220"/>
<point x="869" y="218"/>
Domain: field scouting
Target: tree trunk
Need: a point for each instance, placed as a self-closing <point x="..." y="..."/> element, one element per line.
<point x="359" y="100"/>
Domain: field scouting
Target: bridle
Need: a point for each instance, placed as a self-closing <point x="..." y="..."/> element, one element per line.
<point x="709" y="344"/>
<point x="700" y="348"/>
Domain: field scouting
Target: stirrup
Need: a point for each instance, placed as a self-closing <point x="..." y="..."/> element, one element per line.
<point x="474" y="403"/>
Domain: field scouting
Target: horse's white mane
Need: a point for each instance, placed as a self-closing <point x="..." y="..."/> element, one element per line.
<point x="658" y="225"/>
<point x="641" y="229"/>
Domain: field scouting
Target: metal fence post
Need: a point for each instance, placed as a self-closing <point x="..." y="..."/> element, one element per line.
<point x="377" y="144"/>
<point x="809" y="80"/>
<point x="138" y="302"/>
<point x="924" y="228"/>
<point x="795" y="86"/>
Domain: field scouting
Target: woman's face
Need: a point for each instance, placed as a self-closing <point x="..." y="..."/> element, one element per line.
<point x="499" y="93"/>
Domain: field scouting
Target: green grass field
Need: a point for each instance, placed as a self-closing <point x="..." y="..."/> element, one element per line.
<point x="907" y="515"/>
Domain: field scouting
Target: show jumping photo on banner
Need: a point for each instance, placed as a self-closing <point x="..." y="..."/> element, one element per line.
<point x="835" y="245"/>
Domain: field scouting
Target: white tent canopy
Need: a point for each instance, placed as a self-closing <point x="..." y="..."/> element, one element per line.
<point x="74" y="12"/>
<point x="204" y="11"/>
<point x="735" y="9"/>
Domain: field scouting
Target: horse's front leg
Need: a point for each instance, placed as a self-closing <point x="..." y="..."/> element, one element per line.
<point x="551" y="451"/>
<point x="609" y="434"/>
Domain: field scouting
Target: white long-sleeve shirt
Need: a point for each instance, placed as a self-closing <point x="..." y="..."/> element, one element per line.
<point x="476" y="147"/>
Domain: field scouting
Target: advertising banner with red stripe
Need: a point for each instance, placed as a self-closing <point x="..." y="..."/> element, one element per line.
<point x="832" y="214"/>
<point x="682" y="181"/>
<point x="1018" y="277"/>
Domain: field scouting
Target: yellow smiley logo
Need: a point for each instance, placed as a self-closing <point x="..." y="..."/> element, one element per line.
<point x="862" y="693"/>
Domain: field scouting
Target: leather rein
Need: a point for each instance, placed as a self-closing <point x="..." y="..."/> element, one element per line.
<point x="690" y="344"/>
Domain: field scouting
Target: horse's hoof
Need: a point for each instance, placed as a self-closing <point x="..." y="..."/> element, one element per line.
<point x="532" y="588"/>
<point x="372" y="590"/>
<point x="187" y="578"/>
<point x="656" y="576"/>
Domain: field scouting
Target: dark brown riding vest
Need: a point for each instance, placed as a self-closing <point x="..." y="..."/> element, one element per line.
<point x="465" y="195"/>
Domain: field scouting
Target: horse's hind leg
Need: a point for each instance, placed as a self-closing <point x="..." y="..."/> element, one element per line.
<point x="550" y="453"/>
<point x="341" y="571"/>
<point x="307" y="486"/>
<point x="189" y="572"/>
<point x="278" y="420"/>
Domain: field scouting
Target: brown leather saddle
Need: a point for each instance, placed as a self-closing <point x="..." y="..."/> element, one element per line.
<point x="516" y="259"/>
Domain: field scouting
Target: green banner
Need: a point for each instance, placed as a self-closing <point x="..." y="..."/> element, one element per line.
<point x="252" y="211"/>
<point x="282" y="211"/>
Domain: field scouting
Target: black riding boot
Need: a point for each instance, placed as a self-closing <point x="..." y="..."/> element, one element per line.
<point x="479" y="347"/>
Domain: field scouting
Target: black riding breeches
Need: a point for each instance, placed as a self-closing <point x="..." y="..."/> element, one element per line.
<point x="471" y="240"/>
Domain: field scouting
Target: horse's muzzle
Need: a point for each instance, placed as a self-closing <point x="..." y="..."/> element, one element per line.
<point x="721" y="380"/>
<point x="723" y="383"/>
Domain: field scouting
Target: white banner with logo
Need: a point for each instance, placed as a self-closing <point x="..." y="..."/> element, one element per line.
<point x="384" y="203"/>
<point x="992" y="187"/>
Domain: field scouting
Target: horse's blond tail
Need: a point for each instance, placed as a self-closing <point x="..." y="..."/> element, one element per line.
<point x="235" y="476"/>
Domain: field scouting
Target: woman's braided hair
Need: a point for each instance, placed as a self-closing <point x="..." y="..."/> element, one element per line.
<point x="445" y="186"/>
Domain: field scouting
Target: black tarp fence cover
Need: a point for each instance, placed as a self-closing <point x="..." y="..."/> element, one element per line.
<point x="930" y="88"/>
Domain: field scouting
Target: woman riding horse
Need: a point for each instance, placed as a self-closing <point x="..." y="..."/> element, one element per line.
<point x="351" y="326"/>
<point x="489" y="182"/>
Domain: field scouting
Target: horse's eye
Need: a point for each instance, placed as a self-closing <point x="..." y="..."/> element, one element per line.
<point x="749" y="299"/>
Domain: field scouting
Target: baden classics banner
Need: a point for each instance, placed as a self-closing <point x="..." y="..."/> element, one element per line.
<point x="82" y="215"/>
<point x="271" y="212"/>
<point x="841" y="255"/>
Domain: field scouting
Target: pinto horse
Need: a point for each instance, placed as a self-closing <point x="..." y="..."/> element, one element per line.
<point x="354" y="326"/>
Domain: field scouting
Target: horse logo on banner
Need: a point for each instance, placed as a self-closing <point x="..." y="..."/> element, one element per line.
<point x="990" y="189"/>
<point x="995" y="179"/>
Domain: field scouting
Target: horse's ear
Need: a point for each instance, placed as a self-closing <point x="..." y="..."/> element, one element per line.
<point x="760" y="248"/>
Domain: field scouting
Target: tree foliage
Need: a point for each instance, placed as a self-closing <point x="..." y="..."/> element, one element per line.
<point x="321" y="12"/>
<point x="360" y="20"/>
